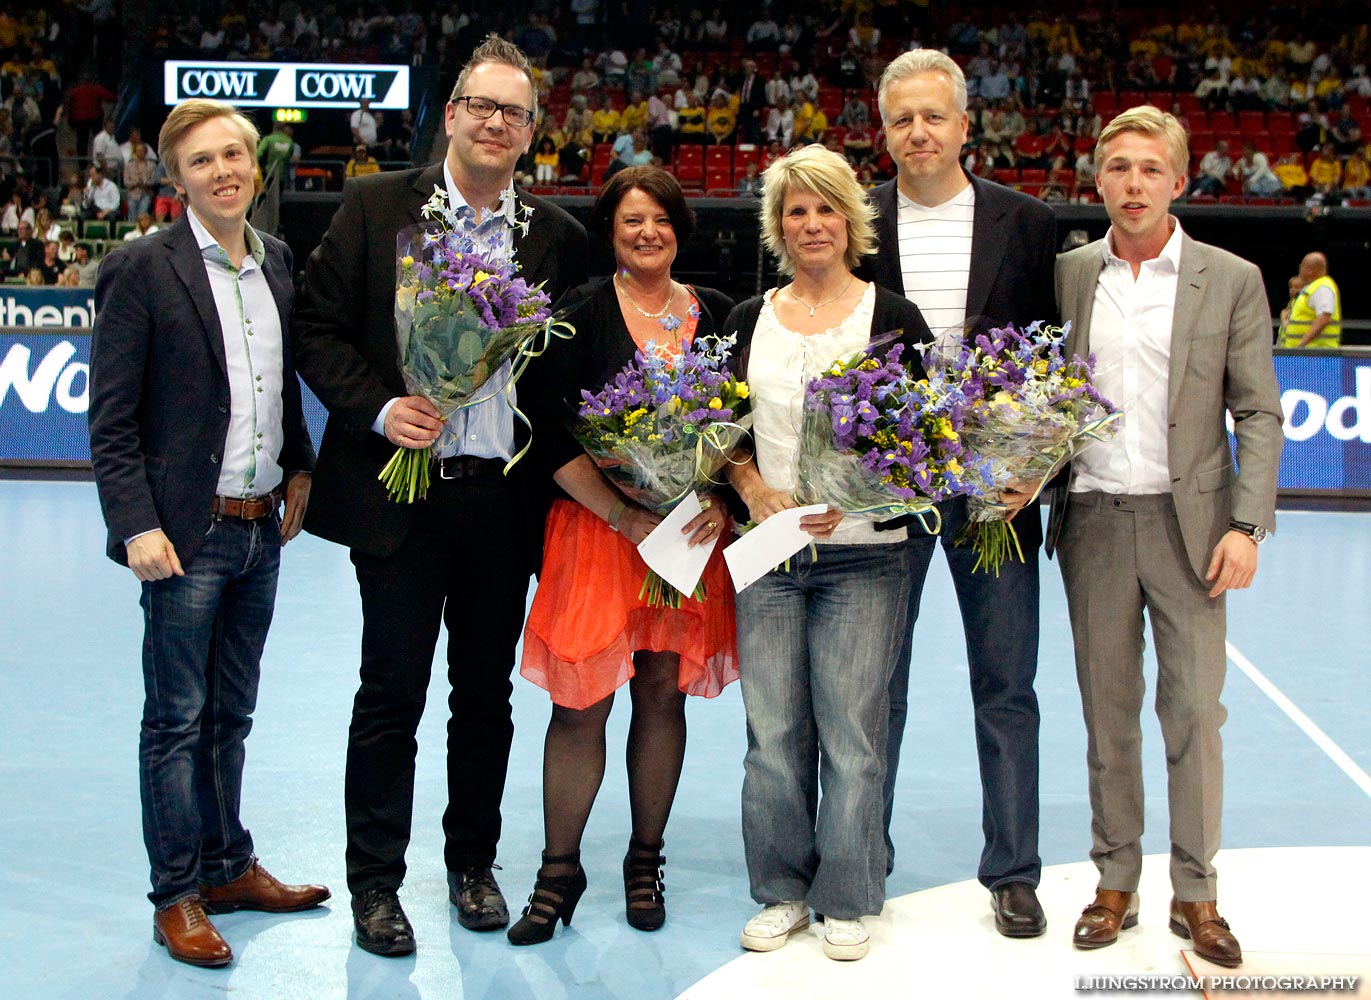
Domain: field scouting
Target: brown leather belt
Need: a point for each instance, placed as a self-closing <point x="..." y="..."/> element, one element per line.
<point x="468" y="467"/>
<point x="247" y="508"/>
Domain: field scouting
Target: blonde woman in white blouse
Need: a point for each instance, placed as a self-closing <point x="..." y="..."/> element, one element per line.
<point x="816" y="638"/>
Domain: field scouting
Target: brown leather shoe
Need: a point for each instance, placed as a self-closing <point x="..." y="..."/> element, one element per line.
<point x="1102" y="920"/>
<point x="257" y="889"/>
<point x="186" y="933"/>
<point x="1201" y="923"/>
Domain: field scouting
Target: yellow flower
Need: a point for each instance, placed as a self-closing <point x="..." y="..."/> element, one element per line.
<point x="742" y="390"/>
<point x="1040" y="366"/>
<point x="716" y="403"/>
<point x="954" y="467"/>
<point x="407" y="260"/>
<point x="479" y="277"/>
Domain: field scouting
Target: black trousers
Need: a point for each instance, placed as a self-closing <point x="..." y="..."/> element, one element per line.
<point x="463" y="564"/>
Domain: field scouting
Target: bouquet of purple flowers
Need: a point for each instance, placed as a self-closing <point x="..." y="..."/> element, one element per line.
<point x="464" y="321"/>
<point x="665" y="426"/>
<point x="1029" y="411"/>
<point x="877" y="443"/>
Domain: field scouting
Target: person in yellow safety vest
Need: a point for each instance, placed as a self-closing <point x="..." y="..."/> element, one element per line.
<point x="1316" y="313"/>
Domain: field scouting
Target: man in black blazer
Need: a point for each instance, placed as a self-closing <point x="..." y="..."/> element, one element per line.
<point x="196" y="432"/>
<point x="751" y="102"/>
<point x="462" y="556"/>
<point x="972" y="255"/>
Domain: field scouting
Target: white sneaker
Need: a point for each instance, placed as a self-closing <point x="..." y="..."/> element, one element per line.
<point x="770" y="929"/>
<point x="845" y="940"/>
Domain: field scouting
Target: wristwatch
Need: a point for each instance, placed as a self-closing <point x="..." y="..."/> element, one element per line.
<point x="1253" y="531"/>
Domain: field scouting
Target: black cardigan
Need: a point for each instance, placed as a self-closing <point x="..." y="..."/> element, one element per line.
<point x="550" y="392"/>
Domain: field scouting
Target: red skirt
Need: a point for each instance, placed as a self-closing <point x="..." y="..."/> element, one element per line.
<point x="587" y="618"/>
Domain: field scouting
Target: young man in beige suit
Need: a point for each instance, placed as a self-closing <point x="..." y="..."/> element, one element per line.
<point x="1157" y="518"/>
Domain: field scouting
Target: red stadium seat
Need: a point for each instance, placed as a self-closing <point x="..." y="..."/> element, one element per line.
<point x="691" y="176"/>
<point x="690" y="156"/>
<point x="718" y="157"/>
<point x="717" y="178"/>
<point x="1277" y="144"/>
<point x="1280" y="123"/>
<point x="1223" y="121"/>
<point x="1106" y="103"/>
<point x="1251" y="122"/>
<point x="1008" y="176"/>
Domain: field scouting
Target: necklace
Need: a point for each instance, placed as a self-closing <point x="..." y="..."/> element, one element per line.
<point x="815" y="308"/>
<point x="639" y="309"/>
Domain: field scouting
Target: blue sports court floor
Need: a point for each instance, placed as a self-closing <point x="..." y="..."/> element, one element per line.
<point x="74" y="921"/>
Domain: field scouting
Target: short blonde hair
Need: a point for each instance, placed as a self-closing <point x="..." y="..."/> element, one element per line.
<point x="910" y="64"/>
<point x="1151" y="121"/>
<point x="826" y="174"/>
<point x="190" y="113"/>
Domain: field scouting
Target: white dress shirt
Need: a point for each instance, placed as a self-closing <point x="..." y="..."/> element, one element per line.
<point x="254" y="353"/>
<point x="1130" y="336"/>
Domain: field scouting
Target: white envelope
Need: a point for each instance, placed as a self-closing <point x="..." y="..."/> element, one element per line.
<point x="768" y="545"/>
<point x="669" y="553"/>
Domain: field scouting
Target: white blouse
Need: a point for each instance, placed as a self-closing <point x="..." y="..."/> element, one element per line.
<point x="781" y="364"/>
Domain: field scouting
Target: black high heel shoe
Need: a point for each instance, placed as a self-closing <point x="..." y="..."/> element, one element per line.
<point x="644" y="902"/>
<point x="554" y="897"/>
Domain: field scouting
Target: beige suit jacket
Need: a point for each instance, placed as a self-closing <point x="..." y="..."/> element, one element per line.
<point x="1220" y="362"/>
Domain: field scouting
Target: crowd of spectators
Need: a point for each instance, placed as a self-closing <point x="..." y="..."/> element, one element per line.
<point x="1276" y="100"/>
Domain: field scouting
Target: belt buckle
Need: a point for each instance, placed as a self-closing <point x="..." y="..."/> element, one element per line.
<point x="442" y="467"/>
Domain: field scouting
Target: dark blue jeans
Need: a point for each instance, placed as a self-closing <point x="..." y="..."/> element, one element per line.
<point x="202" y="649"/>
<point x="1000" y="618"/>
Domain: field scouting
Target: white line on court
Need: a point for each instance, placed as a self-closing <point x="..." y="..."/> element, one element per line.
<point x="1320" y="738"/>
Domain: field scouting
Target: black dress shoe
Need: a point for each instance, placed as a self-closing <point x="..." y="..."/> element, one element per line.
<point x="1017" y="913"/>
<point x="480" y="904"/>
<point x="381" y="925"/>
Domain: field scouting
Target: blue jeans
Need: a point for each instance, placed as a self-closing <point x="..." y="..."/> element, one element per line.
<point x="202" y="649"/>
<point x="138" y="203"/>
<point x="816" y="646"/>
<point x="1000" y="618"/>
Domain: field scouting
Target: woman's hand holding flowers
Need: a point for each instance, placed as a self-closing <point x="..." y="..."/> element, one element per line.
<point x="636" y="523"/>
<point x="705" y="527"/>
<point x="822" y="525"/>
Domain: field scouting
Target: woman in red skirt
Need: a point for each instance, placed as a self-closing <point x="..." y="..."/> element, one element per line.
<point x="591" y="630"/>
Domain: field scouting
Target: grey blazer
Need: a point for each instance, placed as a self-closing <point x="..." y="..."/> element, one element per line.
<point x="1220" y="362"/>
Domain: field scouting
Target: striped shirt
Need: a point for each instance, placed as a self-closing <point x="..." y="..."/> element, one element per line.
<point x="935" y="261"/>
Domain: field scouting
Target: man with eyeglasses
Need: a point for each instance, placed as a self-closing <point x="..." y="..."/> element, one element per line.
<point x="460" y="557"/>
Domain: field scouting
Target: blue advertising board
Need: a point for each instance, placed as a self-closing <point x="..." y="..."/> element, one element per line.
<point x="45" y="370"/>
<point x="45" y="377"/>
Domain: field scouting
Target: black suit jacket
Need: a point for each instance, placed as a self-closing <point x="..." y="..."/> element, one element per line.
<point x="1013" y="252"/>
<point x="345" y="346"/>
<point x="159" y="390"/>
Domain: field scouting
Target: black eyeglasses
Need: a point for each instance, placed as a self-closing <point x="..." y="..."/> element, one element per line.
<point x="480" y="107"/>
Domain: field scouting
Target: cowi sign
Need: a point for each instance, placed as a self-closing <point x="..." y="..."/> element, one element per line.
<point x="287" y="85"/>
